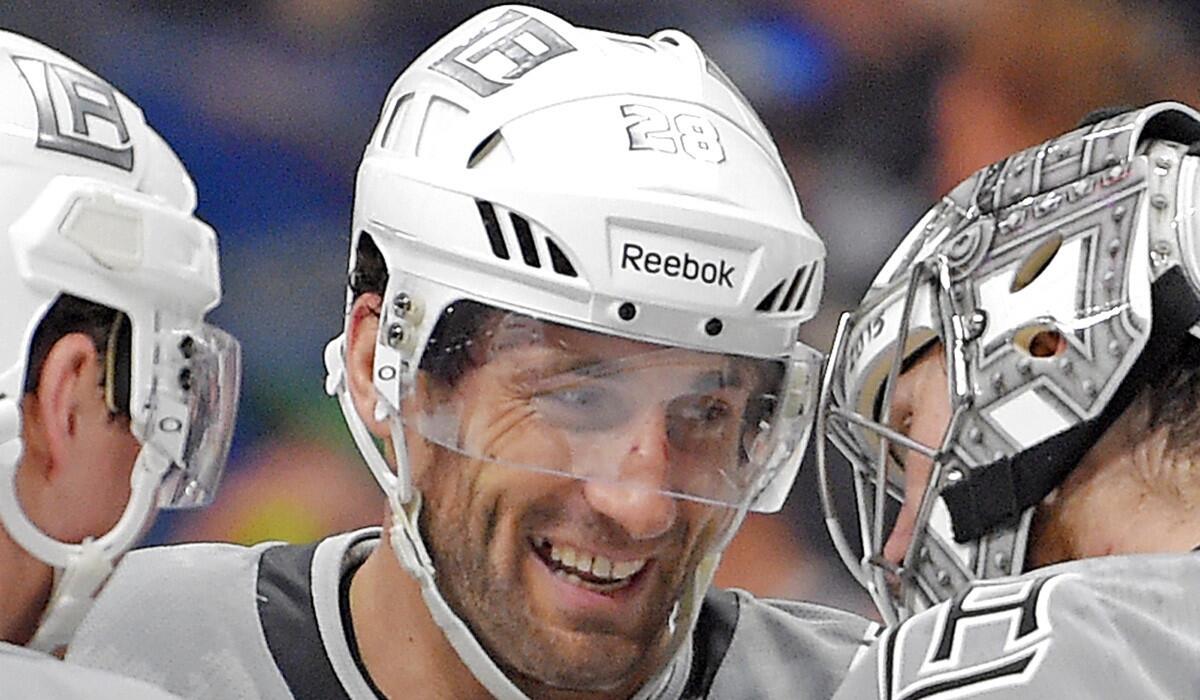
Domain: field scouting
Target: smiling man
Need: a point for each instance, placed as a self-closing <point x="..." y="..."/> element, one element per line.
<point x="570" y="359"/>
<point x="1018" y="393"/>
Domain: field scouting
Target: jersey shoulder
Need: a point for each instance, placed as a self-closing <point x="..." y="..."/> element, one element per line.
<point x="183" y="617"/>
<point x="27" y="675"/>
<point x="1109" y="627"/>
<point x="782" y="649"/>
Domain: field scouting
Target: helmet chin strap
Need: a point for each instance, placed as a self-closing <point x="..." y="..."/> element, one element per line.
<point x="404" y="504"/>
<point x="80" y="570"/>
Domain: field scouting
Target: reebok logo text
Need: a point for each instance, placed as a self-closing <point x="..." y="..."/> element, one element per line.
<point x="637" y="258"/>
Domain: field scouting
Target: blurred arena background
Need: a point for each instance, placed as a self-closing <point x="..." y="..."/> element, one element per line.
<point x="878" y="106"/>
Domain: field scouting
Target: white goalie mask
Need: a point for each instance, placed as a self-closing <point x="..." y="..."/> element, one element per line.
<point x="539" y="193"/>
<point x="1051" y="282"/>
<point x="98" y="208"/>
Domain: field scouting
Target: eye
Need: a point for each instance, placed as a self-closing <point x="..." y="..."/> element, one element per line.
<point x="582" y="406"/>
<point x="700" y="409"/>
<point x="580" y="397"/>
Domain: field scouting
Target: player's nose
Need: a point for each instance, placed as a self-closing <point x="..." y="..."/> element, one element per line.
<point x="636" y="499"/>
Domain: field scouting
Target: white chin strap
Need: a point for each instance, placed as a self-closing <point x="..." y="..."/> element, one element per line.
<point x="80" y="570"/>
<point x="409" y="547"/>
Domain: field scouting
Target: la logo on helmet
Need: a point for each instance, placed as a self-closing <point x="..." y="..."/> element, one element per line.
<point x="502" y="52"/>
<point x="69" y="104"/>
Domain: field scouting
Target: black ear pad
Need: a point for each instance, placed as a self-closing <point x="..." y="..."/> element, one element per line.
<point x="118" y="365"/>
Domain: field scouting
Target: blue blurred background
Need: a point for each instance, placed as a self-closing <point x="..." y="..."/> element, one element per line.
<point x="878" y="107"/>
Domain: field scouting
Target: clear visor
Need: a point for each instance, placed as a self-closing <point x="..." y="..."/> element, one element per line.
<point x="194" y="406"/>
<point x="511" y="389"/>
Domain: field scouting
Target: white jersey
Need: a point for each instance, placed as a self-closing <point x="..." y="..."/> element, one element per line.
<point x="271" y="621"/>
<point x="31" y="675"/>
<point x="1109" y="628"/>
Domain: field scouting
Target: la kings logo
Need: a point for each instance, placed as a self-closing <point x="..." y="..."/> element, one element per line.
<point x="992" y="635"/>
<point x="502" y="52"/>
<point x="77" y="113"/>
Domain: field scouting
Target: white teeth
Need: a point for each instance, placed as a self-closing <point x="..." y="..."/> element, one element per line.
<point x="598" y="566"/>
<point x="624" y="569"/>
<point x="583" y="562"/>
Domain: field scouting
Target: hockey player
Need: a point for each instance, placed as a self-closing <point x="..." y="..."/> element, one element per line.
<point x="115" y="397"/>
<point x="1019" y="389"/>
<point x="577" y="271"/>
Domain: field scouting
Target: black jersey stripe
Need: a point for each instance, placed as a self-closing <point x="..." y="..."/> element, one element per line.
<point x="289" y="623"/>
<point x="710" y="640"/>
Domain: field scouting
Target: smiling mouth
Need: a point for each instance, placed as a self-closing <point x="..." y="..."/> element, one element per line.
<point x="585" y="569"/>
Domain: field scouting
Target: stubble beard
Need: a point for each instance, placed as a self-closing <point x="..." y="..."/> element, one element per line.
<point x="495" y="605"/>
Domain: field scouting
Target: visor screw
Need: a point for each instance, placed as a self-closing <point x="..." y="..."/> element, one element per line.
<point x="1114" y="347"/>
<point x="402" y="303"/>
<point x="185" y="379"/>
<point x="924" y="554"/>
<point x="1025" y="366"/>
<point x="395" y="335"/>
<point x="1163" y="164"/>
<point x="1114" y="247"/>
<point x="943" y="578"/>
<point x="1118" y="213"/>
<point x="1159" y="201"/>
<point x="998" y="381"/>
<point x="714" y="326"/>
<point x="955" y="475"/>
<point x="1111" y="159"/>
<point x="187" y="347"/>
<point x="976" y="325"/>
<point x="1018" y="167"/>
<point x="1001" y="560"/>
<point x="626" y="311"/>
<point x="1089" y="387"/>
<point x="975" y="435"/>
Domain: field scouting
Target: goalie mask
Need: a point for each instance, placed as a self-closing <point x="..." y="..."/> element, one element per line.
<point x="97" y="207"/>
<point x="602" y="222"/>
<point x="1047" y="285"/>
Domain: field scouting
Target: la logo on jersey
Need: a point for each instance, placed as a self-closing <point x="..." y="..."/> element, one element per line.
<point x="502" y="52"/>
<point x="990" y="636"/>
<point x="77" y="113"/>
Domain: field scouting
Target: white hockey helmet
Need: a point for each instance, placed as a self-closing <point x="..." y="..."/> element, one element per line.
<point x="1055" y="281"/>
<point x="96" y="206"/>
<point x="609" y="184"/>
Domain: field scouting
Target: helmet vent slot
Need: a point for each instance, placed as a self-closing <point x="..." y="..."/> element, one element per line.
<point x="485" y="149"/>
<point x="768" y="302"/>
<point x="809" y="276"/>
<point x="525" y="240"/>
<point x="1040" y="341"/>
<point x="1036" y="263"/>
<point x="559" y="261"/>
<point x="396" y="121"/>
<point x="507" y="230"/>
<point x="492" y="226"/>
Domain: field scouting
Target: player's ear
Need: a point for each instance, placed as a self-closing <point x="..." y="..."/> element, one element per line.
<point x="361" y="333"/>
<point x="68" y="392"/>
